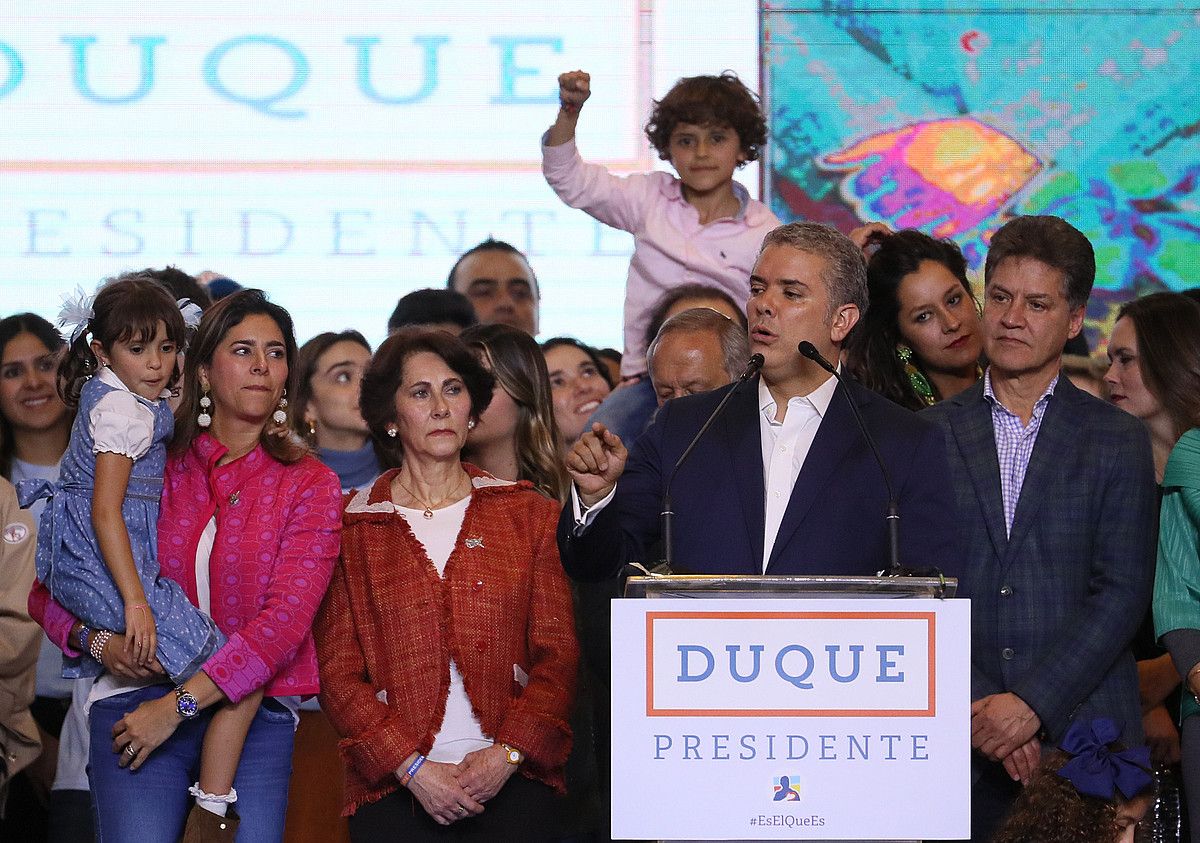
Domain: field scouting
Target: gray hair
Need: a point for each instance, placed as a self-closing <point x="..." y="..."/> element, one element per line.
<point x="735" y="344"/>
<point x="846" y="276"/>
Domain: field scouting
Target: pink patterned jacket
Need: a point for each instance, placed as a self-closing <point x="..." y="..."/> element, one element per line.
<point x="278" y="538"/>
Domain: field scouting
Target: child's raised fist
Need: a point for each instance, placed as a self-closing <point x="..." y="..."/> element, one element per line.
<point x="574" y="87"/>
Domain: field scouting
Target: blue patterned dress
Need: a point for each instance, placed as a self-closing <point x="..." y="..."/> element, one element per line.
<point x="69" y="562"/>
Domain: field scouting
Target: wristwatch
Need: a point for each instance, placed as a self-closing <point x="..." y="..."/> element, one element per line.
<point x="512" y="755"/>
<point x="185" y="703"/>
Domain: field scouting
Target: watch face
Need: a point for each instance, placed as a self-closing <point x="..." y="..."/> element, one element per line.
<point x="185" y="704"/>
<point x="514" y="757"/>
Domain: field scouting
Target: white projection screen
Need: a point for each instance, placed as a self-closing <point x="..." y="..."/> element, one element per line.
<point x="335" y="155"/>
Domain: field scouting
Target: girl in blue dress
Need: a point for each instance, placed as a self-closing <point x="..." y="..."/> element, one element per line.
<point x="98" y="538"/>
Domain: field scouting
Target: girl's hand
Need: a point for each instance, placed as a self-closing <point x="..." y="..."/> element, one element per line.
<point x="117" y="660"/>
<point x="141" y="638"/>
<point x="483" y="772"/>
<point x="574" y="87"/>
<point x="440" y="794"/>
<point x="143" y="730"/>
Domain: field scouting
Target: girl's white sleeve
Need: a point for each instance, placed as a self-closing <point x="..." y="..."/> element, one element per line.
<point x="121" y="424"/>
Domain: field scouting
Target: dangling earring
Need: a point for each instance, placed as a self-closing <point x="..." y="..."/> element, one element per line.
<point x="393" y="431"/>
<point x="312" y="429"/>
<point x="916" y="378"/>
<point x="280" y="415"/>
<point x="205" y="418"/>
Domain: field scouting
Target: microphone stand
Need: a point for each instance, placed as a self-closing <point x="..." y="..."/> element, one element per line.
<point x="755" y="363"/>
<point x="893" y="506"/>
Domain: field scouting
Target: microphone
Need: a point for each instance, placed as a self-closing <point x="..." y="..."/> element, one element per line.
<point x="893" y="507"/>
<point x="752" y="366"/>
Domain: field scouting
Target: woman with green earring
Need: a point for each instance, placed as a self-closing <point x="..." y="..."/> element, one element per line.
<point x="921" y="339"/>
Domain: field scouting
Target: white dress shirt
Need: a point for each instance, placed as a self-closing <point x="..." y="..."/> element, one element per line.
<point x="785" y="445"/>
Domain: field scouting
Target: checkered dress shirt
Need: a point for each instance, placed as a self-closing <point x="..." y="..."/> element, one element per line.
<point x="1014" y="444"/>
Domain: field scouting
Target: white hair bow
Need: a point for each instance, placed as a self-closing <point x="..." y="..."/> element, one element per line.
<point x="191" y="313"/>
<point x="76" y="313"/>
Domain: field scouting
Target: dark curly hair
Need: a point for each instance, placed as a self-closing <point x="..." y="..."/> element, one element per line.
<point x="871" y="346"/>
<point x="1050" y="810"/>
<point x="709" y="101"/>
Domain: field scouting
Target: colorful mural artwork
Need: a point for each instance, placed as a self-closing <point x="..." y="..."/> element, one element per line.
<point x="952" y="118"/>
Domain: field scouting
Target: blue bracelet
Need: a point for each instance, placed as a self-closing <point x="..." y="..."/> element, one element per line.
<point x="412" y="769"/>
<point x="84" y="635"/>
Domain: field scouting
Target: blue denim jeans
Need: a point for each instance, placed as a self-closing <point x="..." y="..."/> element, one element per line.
<point x="152" y="803"/>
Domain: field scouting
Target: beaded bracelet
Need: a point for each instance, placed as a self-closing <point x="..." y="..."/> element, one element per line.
<point x="412" y="770"/>
<point x="98" y="644"/>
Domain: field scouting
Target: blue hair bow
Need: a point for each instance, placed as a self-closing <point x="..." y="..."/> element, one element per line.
<point x="1095" y="770"/>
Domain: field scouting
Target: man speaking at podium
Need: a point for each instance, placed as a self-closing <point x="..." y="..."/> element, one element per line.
<point x="784" y="481"/>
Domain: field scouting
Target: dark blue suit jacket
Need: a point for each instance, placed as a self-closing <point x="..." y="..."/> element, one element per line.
<point x="1055" y="605"/>
<point x="834" y="522"/>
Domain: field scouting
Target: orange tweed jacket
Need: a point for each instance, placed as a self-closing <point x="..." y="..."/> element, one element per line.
<point x="391" y="624"/>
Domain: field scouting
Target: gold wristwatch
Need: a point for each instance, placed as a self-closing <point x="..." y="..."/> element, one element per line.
<point x="512" y="755"/>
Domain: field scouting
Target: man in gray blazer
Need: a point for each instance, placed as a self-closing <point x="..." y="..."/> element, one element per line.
<point x="1057" y="506"/>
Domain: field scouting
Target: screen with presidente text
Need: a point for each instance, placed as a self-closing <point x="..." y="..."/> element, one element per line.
<point x="335" y="155"/>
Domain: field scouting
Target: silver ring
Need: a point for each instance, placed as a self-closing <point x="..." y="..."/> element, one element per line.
<point x="460" y="809"/>
<point x="130" y="751"/>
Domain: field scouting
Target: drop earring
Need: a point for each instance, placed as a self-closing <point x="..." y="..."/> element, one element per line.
<point x="280" y="415"/>
<point x="205" y="417"/>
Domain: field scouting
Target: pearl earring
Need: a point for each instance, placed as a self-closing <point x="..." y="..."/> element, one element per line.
<point x="470" y="424"/>
<point x="393" y="431"/>
<point x="280" y="415"/>
<point x="205" y="417"/>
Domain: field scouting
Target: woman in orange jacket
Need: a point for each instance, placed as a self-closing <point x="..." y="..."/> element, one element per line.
<point x="446" y="642"/>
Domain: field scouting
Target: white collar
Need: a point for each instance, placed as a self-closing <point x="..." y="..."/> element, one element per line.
<point x="819" y="398"/>
<point x="108" y="377"/>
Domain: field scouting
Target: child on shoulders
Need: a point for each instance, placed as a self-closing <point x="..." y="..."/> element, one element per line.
<point x="697" y="227"/>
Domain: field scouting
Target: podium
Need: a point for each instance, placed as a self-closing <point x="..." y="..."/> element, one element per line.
<point x="795" y="587"/>
<point x="790" y="708"/>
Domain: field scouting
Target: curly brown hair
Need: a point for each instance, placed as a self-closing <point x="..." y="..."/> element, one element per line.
<point x="1050" y="810"/>
<point x="709" y="101"/>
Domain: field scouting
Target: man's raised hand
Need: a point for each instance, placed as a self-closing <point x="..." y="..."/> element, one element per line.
<point x="595" y="463"/>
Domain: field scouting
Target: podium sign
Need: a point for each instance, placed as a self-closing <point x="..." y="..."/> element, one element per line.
<point x="827" y="719"/>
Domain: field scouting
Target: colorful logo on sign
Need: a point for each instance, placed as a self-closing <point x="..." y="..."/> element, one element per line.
<point x="786" y="789"/>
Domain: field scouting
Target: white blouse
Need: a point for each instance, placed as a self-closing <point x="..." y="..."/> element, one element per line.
<point x="460" y="732"/>
<point x="121" y="422"/>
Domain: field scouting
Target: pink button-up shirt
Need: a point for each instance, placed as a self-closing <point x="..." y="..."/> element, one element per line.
<point x="670" y="246"/>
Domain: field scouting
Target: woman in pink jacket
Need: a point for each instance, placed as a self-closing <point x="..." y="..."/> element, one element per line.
<point x="249" y="526"/>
